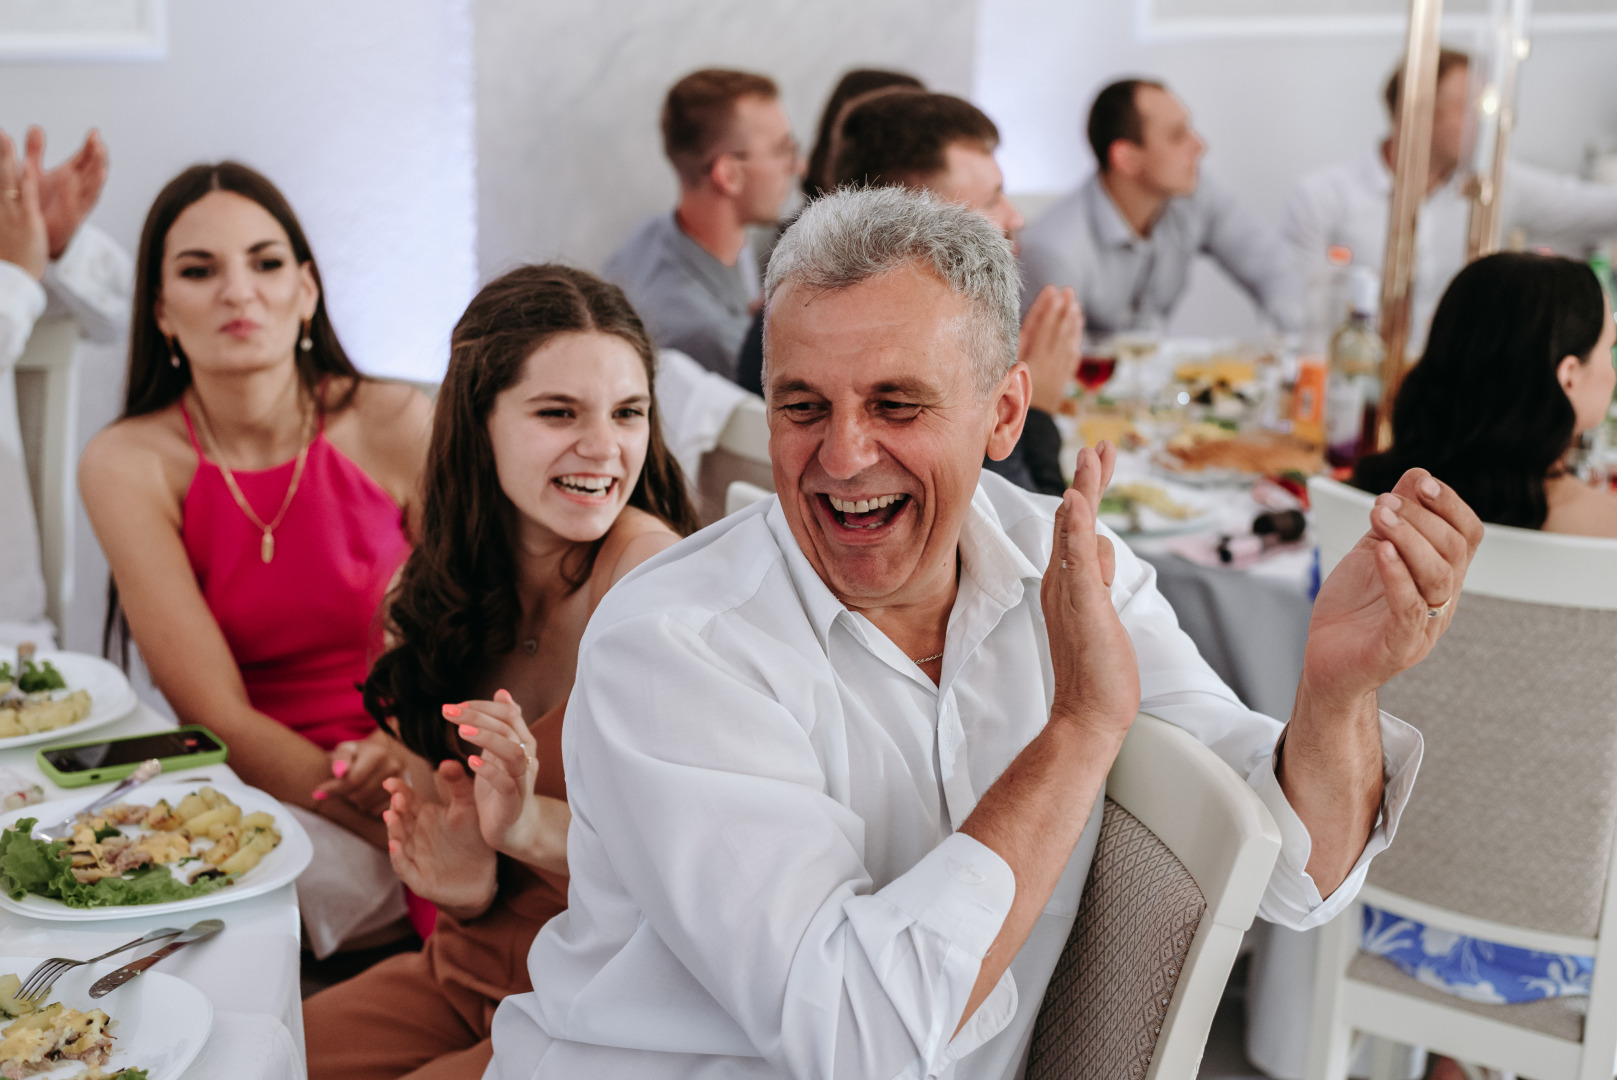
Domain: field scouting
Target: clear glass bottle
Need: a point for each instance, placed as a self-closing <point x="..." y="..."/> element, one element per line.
<point x="1353" y="392"/>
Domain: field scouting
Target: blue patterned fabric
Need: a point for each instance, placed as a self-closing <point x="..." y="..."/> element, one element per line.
<point x="1472" y="968"/>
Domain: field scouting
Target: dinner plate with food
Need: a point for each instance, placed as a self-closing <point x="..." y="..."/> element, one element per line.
<point x="172" y="846"/>
<point x="1208" y="453"/>
<point x="151" y="1029"/>
<point x="1139" y="508"/>
<point x="46" y="694"/>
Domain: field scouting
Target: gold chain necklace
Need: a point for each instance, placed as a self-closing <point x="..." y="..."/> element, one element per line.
<point x="266" y="546"/>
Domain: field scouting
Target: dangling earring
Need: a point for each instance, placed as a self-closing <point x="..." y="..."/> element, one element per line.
<point x="173" y="357"/>
<point x="306" y="343"/>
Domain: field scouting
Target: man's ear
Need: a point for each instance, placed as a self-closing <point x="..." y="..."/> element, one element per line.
<point x="1124" y="157"/>
<point x="1008" y="411"/>
<point x="725" y="175"/>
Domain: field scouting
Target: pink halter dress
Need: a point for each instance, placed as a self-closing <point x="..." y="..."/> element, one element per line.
<point x="304" y="625"/>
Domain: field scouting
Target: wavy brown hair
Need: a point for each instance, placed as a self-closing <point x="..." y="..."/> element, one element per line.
<point x="154" y="383"/>
<point x="455" y="605"/>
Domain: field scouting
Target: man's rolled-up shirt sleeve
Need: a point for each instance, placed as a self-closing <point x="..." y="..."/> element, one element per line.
<point x="1178" y="686"/>
<point x="93" y="282"/>
<point x="22" y="301"/>
<point x="710" y="803"/>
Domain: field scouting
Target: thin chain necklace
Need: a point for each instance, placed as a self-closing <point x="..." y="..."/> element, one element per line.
<point x="266" y="546"/>
<point x="929" y="659"/>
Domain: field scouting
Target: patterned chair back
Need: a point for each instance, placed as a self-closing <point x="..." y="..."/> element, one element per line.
<point x="1108" y="998"/>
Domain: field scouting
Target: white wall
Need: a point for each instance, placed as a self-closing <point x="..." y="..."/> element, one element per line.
<point x="1271" y="109"/>
<point x="569" y="157"/>
<point x="361" y="111"/>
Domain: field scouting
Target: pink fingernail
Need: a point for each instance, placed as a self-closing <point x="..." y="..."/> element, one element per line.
<point x="392" y="847"/>
<point x="467" y="730"/>
<point x="452" y="711"/>
<point x="475" y="762"/>
<point x="339" y="769"/>
<point x="318" y="796"/>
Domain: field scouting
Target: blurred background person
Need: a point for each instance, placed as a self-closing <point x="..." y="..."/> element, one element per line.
<point x="1346" y="205"/>
<point x="691" y="274"/>
<point x="253" y="501"/>
<point x="1126" y="238"/>
<point x="51" y="263"/>
<point x="547" y="481"/>
<point x="856" y="83"/>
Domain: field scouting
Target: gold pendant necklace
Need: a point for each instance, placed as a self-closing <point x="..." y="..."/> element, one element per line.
<point x="266" y="545"/>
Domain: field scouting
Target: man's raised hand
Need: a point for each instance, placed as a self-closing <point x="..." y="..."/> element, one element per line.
<point x="68" y="192"/>
<point x="1097" y="679"/>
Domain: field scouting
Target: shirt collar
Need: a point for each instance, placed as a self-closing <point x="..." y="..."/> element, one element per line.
<point x="1110" y="228"/>
<point x="994" y="562"/>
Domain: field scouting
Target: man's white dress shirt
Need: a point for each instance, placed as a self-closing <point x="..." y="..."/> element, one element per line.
<point x="1346" y="205"/>
<point x="766" y="878"/>
<point x="91" y="282"/>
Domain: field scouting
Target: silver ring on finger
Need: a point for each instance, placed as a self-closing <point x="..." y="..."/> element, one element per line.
<point x="1434" y="612"/>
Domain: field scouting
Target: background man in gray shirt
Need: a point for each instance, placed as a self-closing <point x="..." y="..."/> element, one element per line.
<point x="691" y="274"/>
<point x="1126" y="238"/>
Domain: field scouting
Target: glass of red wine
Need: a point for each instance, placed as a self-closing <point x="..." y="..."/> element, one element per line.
<point x="1095" y="371"/>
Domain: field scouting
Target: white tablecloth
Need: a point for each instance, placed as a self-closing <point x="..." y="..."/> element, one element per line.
<point x="249" y="972"/>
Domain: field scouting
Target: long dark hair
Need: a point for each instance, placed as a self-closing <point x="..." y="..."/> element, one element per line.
<point x="1483" y="410"/>
<point x="859" y="81"/>
<point x="456" y="605"/>
<point x="154" y="382"/>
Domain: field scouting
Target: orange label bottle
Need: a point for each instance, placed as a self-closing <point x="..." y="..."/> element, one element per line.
<point x="1308" y="401"/>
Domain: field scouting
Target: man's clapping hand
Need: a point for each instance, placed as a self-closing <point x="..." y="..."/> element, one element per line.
<point x="23" y="237"/>
<point x="1097" y="678"/>
<point x="68" y="192"/>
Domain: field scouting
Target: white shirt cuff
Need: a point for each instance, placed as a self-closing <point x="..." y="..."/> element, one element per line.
<point x="961" y="890"/>
<point x="22" y="302"/>
<point x="93" y="281"/>
<point x="1292" y="899"/>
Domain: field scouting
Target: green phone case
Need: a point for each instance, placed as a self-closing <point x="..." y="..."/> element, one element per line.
<point x="118" y="772"/>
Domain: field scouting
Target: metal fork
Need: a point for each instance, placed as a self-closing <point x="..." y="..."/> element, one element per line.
<point x="40" y="981"/>
<point x="63" y="830"/>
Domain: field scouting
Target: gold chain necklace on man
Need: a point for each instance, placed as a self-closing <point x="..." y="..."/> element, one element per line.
<point x="266" y="546"/>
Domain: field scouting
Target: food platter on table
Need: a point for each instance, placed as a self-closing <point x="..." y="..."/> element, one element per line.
<point x="1208" y="454"/>
<point x="279" y="866"/>
<point x="158" y="1023"/>
<point x="1149" y="508"/>
<point x="111" y="696"/>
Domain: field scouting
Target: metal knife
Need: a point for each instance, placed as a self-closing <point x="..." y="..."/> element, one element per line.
<point x="199" y="932"/>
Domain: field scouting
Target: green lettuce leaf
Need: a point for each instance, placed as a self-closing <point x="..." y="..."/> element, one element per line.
<point x="28" y="865"/>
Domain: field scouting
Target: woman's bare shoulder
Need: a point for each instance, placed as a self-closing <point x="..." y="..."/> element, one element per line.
<point x="140" y="450"/>
<point x="389" y="412"/>
<point x="635" y="537"/>
<point x="1580" y="510"/>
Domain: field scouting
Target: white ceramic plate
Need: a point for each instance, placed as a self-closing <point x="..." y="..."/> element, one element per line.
<point x="1148" y="522"/>
<point x="278" y="868"/>
<point x="111" y="696"/>
<point x="162" y="1022"/>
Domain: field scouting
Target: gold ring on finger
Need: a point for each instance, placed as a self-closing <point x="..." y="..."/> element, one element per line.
<point x="1434" y="612"/>
<point x="14" y="193"/>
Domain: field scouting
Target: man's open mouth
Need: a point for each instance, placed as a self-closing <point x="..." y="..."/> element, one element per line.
<point x="867" y="513"/>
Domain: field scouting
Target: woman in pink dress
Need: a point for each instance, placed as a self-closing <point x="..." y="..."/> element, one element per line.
<point x="254" y="500"/>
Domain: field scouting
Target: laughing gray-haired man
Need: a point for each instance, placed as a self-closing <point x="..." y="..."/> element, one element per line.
<point x="835" y="763"/>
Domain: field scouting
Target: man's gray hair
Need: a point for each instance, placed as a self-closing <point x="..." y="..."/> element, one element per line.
<point x="855" y="234"/>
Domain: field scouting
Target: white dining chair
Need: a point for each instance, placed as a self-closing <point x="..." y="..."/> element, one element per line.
<point x="1509" y="834"/>
<point x="47" y="377"/>
<point x="1184" y="856"/>
<point x="740" y="454"/>
<point x="740" y="495"/>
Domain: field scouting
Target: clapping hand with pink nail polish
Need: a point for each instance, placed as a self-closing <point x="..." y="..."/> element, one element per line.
<point x="514" y="819"/>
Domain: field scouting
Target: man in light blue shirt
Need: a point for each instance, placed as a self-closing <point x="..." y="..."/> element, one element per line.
<point x="1125" y="240"/>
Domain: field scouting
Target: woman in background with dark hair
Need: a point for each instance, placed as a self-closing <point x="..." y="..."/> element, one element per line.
<point x="547" y="481"/>
<point x="1518" y="365"/>
<point x="253" y="501"/>
<point x="856" y="83"/>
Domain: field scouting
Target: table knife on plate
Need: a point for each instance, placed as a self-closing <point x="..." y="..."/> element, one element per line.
<point x="198" y="932"/>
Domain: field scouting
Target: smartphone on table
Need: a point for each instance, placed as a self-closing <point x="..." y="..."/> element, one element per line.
<point x="78" y="764"/>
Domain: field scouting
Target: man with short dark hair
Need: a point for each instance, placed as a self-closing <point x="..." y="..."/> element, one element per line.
<point x="691" y="274"/>
<point x="944" y="144"/>
<point x="1127" y="237"/>
<point x="1345" y="205"/>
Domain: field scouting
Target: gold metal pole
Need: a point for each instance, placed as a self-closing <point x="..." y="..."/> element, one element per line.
<point x="1496" y="108"/>
<point x="1413" y="154"/>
